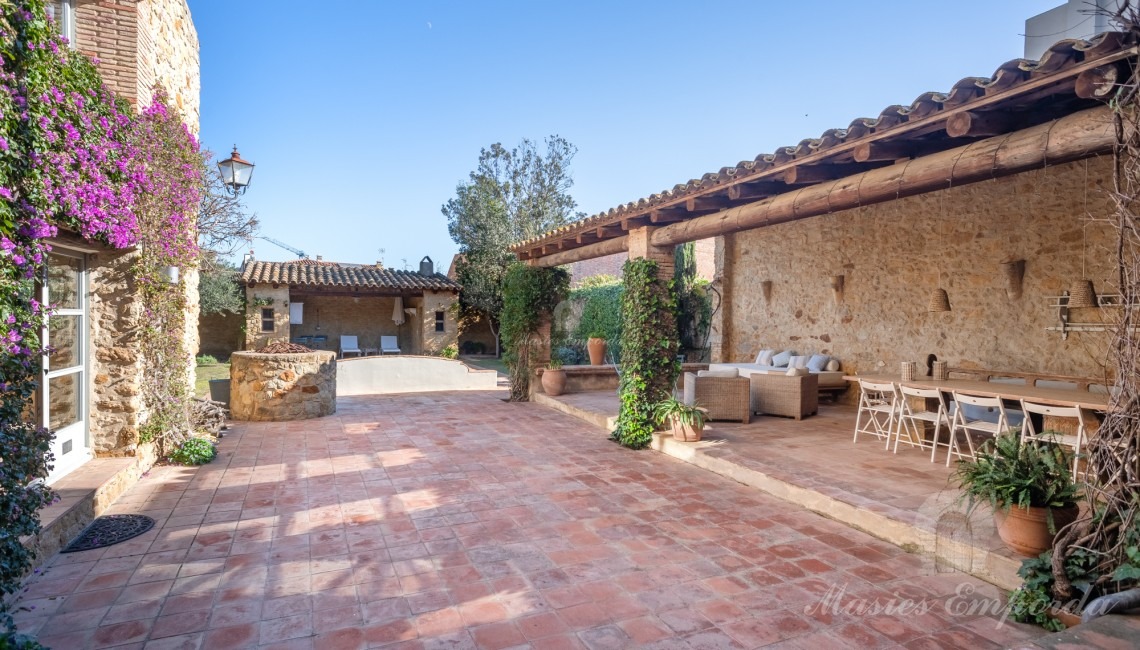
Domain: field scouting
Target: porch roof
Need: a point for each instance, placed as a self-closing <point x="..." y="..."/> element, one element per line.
<point x="342" y="276"/>
<point x="1071" y="76"/>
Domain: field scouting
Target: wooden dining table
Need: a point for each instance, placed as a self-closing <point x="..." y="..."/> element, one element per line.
<point x="1013" y="392"/>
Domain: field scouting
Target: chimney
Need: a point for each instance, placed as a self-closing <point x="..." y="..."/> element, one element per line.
<point x="379" y="264"/>
<point x="248" y="257"/>
<point x="319" y="258"/>
<point x="427" y="267"/>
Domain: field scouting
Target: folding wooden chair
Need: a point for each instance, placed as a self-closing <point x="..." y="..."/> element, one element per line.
<point x="964" y="424"/>
<point x="877" y="409"/>
<point x="914" y="422"/>
<point x="1029" y="432"/>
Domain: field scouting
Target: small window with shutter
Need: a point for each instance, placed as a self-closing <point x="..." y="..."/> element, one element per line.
<point x="267" y="319"/>
<point x="439" y="321"/>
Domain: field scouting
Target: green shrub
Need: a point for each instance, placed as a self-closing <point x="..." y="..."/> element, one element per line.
<point x="14" y="641"/>
<point x="649" y="365"/>
<point x="1008" y="472"/>
<point x="450" y="352"/>
<point x="195" y="451"/>
<point x="206" y="360"/>
<point x="601" y="312"/>
<point x="530" y="294"/>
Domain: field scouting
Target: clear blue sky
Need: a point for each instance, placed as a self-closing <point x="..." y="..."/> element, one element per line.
<point x="363" y="116"/>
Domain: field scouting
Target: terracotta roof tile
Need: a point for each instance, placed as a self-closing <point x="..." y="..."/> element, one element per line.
<point x="1060" y="55"/>
<point x="314" y="273"/>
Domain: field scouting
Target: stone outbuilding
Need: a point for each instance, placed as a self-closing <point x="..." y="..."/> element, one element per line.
<point x="315" y="302"/>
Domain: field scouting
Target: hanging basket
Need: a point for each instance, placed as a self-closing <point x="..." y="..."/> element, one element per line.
<point x="1082" y="295"/>
<point x="939" y="301"/>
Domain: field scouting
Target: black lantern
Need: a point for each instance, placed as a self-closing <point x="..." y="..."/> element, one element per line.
<point x="236" y="172"/>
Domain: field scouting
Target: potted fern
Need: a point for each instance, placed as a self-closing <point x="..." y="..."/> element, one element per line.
<point x="687" y="422"/>
<point x="1028" y="484"/>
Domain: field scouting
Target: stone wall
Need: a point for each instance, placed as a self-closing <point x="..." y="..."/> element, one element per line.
<point x="892" y="256"/>
<point x="116" y="365"/>
<point x="434" y="342"/>
<point x="275" y="298"/>
<point x="476" y="332"/>
<point x="281" y="387"/>
<point x="367" y="317"/>
<point x="168" y="56"/>
<point x="141" y="45"/>
<point x="220" y="335"/>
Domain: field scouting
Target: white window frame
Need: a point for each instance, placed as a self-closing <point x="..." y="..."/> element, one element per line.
<point x="63" y="465"/>
<point x="63" y="12"/>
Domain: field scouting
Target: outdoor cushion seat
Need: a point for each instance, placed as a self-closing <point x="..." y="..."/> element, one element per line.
<point x="722" y="397"/>
<point x="827" y="378"/>
<point x="348" y="345"/>
<point x="778" y="394"/>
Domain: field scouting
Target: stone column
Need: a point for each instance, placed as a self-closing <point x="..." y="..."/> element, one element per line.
<point x="640" y="246"/>
<point x="719" y="332"/>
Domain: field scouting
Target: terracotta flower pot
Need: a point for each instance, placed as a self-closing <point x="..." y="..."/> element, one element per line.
<point x="685" y="432"/>
<point x="597" y="349"/>
<point x="1027" y="531"/>
<point x="554" y="382"/>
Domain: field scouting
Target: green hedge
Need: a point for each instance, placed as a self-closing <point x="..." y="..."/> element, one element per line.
<point x="530" y="294"/>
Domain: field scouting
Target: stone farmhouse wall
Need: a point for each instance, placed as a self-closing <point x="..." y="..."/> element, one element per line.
<point x="141" y="45"/>
<point x="220" y="335"/>
<point x="892" y="256"/>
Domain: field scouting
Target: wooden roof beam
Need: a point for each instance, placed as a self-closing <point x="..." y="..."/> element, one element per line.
<point x="706" y="203"/>
<point x="605" y="232"/>
<point x="667" y="215"/>
<point x="1100" y="82"/>
<point x="880" y="151"/>
<point x="629" y="223"/>
<point x="967" y="124"/>
<point x="753" y="191"/>
<point x="801" y="174"/>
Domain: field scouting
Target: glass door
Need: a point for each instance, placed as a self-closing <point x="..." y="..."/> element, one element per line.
<point x="64" y="386"/>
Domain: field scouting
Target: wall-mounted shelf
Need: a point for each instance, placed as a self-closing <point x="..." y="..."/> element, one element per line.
<point x="1064" y="326"/>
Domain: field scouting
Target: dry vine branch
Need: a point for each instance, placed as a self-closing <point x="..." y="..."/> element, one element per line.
<point x="1113" y="461"/>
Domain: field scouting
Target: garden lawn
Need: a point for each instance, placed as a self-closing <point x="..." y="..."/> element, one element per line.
<point x="206" y="373"/>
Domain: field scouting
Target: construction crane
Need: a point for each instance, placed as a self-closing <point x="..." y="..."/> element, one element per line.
<point x="299" y="253"/>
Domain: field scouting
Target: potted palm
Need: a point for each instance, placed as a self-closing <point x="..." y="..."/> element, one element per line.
<point x="687" y="422"/>
<point x="554" y="378"/>
<point x="1028" y="484"/>
<point x="596" y="345"/>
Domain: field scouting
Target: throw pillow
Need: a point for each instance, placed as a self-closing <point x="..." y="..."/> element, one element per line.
<point x="796" y="372"/>
<point x="798" y="362"/>
<point x="833" y="365"/>
<point x="718" y="373"/>
<point x="765" y="357"/>
<point x="781" y="360"/>
<point x="817" y="362"/>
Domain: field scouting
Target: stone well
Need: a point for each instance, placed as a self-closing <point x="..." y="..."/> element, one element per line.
<point x="276" y="387"/>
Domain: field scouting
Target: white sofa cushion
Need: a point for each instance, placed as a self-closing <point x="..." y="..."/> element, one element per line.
<point x="797" y="372"/>
<point x="798" y="362"/>
<point x="833" y="365"/>
<point x="817" y="362"/>
<point x="765" y="357"/>
<point x="726" y="372"/>
<point x="781" y="360"/>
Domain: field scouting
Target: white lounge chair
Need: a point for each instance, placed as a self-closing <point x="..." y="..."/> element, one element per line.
<point x="348" y="345"/>
<point x="388" y="345"/>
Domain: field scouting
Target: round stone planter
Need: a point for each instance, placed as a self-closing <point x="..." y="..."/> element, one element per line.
<point x="280" y="387"/>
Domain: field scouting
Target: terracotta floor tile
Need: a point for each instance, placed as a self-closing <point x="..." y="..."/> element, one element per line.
<point x="403" y="522"/>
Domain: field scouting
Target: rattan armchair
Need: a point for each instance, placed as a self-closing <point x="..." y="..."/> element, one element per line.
<point x="778" y="394"/>
<point x="725" y="398"/>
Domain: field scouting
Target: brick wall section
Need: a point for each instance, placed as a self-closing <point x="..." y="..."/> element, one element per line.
<point x="220" y="335"/>
<point x="891" y="255"/>
<point x="608" y="265"/>
<point x="143" y="44"/>
<point x="108" y="31"/>
<point x="639" y="246"/>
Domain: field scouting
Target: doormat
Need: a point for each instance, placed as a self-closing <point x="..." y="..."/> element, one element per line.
<point x="108" y="530"/>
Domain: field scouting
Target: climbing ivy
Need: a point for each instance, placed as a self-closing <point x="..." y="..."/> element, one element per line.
<point x="530" y="294"/>
<point x="648" y="351"/>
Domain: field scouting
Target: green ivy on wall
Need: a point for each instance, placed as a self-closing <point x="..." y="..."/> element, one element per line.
<point x="648" y="351"/>
<point x="530" y="294"/>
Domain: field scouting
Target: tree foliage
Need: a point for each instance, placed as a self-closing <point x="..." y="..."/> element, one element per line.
<point x="218" y="288"/>
<point x="512" y="195"/>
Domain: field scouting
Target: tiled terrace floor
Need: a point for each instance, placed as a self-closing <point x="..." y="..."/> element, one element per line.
<point x="460" y="521"/>
<point x="817" y="453"/>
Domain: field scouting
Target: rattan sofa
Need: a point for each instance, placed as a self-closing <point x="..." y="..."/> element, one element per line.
<point x="778" y="394"/>
<point x="725" y="398"/>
